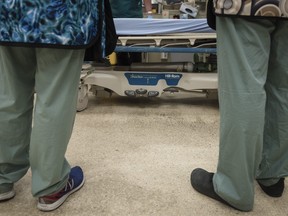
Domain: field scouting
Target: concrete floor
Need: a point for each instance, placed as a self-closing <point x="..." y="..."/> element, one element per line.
<point x="137" y="155"/>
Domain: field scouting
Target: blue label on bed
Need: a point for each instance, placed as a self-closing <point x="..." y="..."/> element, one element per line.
<point x="171" y="79"/>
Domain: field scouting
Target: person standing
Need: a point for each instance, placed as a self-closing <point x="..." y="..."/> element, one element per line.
<point x="253" y="98"/>
<point x="129" y="9"/>
<point x="42" y="46"/>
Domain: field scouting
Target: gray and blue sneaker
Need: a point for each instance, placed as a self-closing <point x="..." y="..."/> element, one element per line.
<point x="7" y="195"/>
<point x="53" y="201"/>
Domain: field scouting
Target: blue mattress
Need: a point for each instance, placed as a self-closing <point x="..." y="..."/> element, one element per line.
<point x="139" y="26"/>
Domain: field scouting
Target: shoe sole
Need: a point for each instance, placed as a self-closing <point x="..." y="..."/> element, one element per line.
<point x="58" y="203"/>
<point x="7" y="196"/>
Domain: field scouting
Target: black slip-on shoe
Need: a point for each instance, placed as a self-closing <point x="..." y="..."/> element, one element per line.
<point x="275" y="190"/>
<point x="202" y="181"/>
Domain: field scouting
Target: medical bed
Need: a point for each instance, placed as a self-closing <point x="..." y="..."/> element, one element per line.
<point x="151" y="79"/>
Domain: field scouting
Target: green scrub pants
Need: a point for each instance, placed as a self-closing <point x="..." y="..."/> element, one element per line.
<point x="253" y="97"/>
<point x="54" y="75"/>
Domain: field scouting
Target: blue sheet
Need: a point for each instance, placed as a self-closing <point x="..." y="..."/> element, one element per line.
<point x="139" y="26"/>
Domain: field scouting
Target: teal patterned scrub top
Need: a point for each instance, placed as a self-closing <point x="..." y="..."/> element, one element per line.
<point x="71" y="23"/>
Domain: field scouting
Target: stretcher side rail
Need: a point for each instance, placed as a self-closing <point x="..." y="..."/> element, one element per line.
<point x="192" y="37"/>
<point x="165" y="49"/>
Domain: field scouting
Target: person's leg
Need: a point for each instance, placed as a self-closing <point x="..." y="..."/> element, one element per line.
<point x="243" y="53"/>
<point x="123" y="59"/>
<point x="274" y="163"/>
<point x="17" y="70"/>
<point x="57" y="81"/>
<point x="135" y="57"/>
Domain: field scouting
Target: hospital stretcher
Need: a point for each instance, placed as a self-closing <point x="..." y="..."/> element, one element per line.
<point x="152" y="79"/>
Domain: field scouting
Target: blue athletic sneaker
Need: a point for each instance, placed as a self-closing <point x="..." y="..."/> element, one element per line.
<point x="7" y="195"/>
<point x="53" y="201"/>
